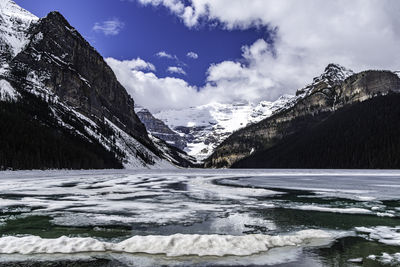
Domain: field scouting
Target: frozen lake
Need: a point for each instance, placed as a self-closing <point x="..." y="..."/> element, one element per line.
<point x="201" y="217"/>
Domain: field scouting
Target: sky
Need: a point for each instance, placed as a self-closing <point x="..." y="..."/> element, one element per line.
<point x="172" y="54"/>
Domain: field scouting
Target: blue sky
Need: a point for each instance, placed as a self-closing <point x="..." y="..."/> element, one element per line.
<point x="248" y="50"/>
<point x="148" y="30"/>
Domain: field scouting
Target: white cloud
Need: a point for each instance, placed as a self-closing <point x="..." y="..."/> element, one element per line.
<point x="109" y="27"/>
<point x="153" y="92"/>
<point x="309" y="34"/>
<point x="176" y="70"/>
<point x="163" y="54"/>
<point x="227" y="82"/>
<point x="192" y="55"/>
<point x="134" y="64"/>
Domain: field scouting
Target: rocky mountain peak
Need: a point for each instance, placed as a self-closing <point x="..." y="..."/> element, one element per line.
<point x="333" y="75"/>
<point x="336" y="73"/>
<point x="59" y="61"/>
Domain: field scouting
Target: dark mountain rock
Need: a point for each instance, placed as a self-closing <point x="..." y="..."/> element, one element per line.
<point x="159" y="129"/>
<point x="71" y="68"/>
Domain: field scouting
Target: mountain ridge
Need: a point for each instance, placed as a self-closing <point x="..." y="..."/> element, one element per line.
<point x="312" y="104"/>
<point x="364" y="135"/>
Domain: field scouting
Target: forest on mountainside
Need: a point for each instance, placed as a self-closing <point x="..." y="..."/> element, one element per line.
<point x="31" y="138"/>
<point x="364" y="135"/>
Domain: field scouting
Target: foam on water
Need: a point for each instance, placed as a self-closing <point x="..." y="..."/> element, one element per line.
<point x="172" y="245"/>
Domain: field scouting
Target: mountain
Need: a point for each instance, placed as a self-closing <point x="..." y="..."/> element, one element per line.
<point x="14" y="25"/>
<point x="330" y="92"/>
<point x="159" y="129"/>
<point x="63" y="90"/>
<point x="199" y="130"/>
<point x="365" y="135"/>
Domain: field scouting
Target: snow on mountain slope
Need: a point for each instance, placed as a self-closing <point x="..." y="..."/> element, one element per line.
<point x="159" y="129"/>
<point x="14" y="23"/>
<point x="7" y="92"/>
<point x="333" y="75"/>
<point x="205" y="127"/>
<point x="133" y="154"/>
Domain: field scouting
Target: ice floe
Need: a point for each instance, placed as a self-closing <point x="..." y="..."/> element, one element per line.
<point x="383" y="234"/>
<point x="172" y="245"/>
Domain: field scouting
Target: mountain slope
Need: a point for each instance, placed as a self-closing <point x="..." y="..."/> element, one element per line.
<point x="159" y="129"/>
<point x="365" y="135"/>
<point x="42" y="143"/>
<point x="58" y="67"/>
<point x="14" y="25"/>
<point x="331" y="91"/>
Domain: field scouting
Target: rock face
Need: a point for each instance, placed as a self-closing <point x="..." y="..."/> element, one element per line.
<point x="59" y="58"/>
<point x="336" y="88"/>
<point x="159" y="129"/>
<point x="55" y="65"/>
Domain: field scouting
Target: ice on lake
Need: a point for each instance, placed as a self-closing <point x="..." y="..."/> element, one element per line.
<point x="239" y="217"/>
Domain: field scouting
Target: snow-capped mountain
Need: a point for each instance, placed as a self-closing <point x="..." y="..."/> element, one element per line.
<point x="333" y="75"/>
<point x="58" y="84"/>
<point x="205" y="127"/>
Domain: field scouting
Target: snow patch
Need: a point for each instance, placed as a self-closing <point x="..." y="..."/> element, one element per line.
<point x="15" y="22"/>
<point x="7" y="92"/>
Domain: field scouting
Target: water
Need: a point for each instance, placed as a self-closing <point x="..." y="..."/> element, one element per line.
<point x="200" y="218"/>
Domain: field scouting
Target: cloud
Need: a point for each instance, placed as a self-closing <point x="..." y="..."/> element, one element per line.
<point x="307" y="35"/>
<point x="226" y="82"/>
<point x="163" y="54"/>
<point x="134" y="64"/>
<point x="176" y="70"/>
<point x="153" y="92"/>
<point x="192" y="55"/>
<point x="109" y="27"/>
